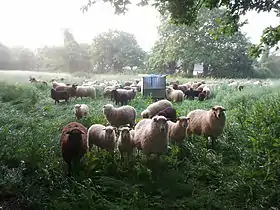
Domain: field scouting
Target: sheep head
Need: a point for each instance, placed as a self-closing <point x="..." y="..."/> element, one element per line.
<point x="160" y="122"/>
<point x="145" y="114"/>
<point x="183" y="121"/>
<point x="218" y="111"/>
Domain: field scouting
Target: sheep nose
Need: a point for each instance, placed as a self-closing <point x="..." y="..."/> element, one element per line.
<point x="162" y="129"/>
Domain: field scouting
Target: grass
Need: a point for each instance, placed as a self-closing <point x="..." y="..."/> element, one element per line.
<point x="242" y="173"/>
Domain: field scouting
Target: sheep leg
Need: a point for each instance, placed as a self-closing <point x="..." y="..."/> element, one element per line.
<point x="213" y="141"/>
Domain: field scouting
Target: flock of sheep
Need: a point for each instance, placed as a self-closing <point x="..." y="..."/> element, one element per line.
<point x="158" y="127"/>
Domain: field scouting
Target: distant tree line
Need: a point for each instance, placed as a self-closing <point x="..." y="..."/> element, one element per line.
<point x="177" y="50"/>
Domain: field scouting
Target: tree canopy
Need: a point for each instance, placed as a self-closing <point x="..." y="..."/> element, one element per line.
<point x="186" y="12"/>
<point x="180" y="47"/>
<point x="114" y="50"/>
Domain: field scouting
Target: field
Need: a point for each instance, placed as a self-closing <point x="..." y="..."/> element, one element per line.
<point x="243" y="171"/>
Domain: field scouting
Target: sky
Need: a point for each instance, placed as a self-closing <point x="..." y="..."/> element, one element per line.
<point x="36" y="23"/>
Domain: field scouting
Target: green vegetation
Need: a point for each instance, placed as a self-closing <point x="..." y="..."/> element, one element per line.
<point x="177" y="50"/>
<point x="242" y="172"/>
<point x="187" y="12"/>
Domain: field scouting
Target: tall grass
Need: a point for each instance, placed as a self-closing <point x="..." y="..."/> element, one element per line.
<point x="242" y="173"/>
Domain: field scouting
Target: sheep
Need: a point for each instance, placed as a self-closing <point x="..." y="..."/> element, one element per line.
<point x="125" y="142"/>
<point x="207" y="123"/>
<point x="174" y="95"/>
<point x="102" y="137"/>
<point x="85" y="91"/>
<point x="169" y="113"/>
<point x="55" y="84"/>
<point x="151" y="135"/>
<point x="127" y="83"/>
<point x="69" y="89"/>
<point x="191" y="93"/>
<point x="201" y="96"/>
<point x="59" y="95"/>
<point x="73" y="142"/>
<point x="119" y="97"/>
<point x="156" y="107"/>
<point x="177" y="131"/>
<point x="81" y="110"/>
<point x="120" y="116"/>
<point x="183" y="88"/>
<point x="206" y="91"/>
<point x="37" y="81"/>
<point x="240" y="87"/>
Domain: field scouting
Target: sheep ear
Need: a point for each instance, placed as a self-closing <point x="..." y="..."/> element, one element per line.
<point x="82" y="132"/>
<point x="223" y="109"/>
<point x="68" y="132"/>
<point x="188" y="119"/>
<point x="103" y="129"/>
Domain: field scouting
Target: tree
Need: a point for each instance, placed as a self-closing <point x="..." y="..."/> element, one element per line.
<point x="76" y="56"/>
<point x="186" y="12"/>
<point x="5" y="57"/>
<point x="182" y="47"/>
<point x="23" y="58"/>
<point x="51" y="58"/>
<point x="113" y="50"/>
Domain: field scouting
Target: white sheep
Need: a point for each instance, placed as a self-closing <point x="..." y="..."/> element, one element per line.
<point x="156" y="107"/>
<point x="174" y="95"/>
<point x="118" y="116"/>
<point x="81" y="110"/>
<point x="209" y="123"/>
<point x="206" y="91"/>
<point x="125" y="142"/>
<point x="151" y="135"/>
<point x="102" y="137"/>
<point x="177" y="131"/>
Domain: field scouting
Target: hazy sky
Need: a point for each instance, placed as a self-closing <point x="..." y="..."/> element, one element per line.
<point x="35" y="23"/>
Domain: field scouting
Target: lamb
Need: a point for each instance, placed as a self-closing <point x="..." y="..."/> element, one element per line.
<point x="169" y="113"/>
<point x="102" y="137"/>
<point x="59" y="95"/>
<point x="209" y="123"/>
<point x="174" y="95"/>
<point x="120" y="116"/>
<point x="73" y="142"/>
<point x="156" y="107"/>
<point x="151" y="135"/>
<point x="125" y="142"/>
<point x="37" y="81"/>
<point x="81" y="110"/>
<point x="177" y="131"/>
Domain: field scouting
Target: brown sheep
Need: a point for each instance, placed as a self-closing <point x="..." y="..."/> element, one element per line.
<point x="209" y="123"/>
<point x="73" y="143"/>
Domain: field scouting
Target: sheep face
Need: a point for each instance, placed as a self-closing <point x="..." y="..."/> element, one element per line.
<point x="145" y="114"/>
<point x="218" y="111"/>
<point x="77" y="106"/>
<point x="183" y="121"/>
<point x="108" y="107"/>
<point x="109" y="130"/>
<point x="75" y="132"/>
<point x="160" y="122"/>
<point x="124" y="132"/>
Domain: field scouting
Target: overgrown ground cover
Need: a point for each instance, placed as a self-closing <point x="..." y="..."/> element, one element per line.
<point x="242" y="173"/>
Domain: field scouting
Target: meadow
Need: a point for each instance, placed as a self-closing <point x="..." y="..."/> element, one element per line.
<point x="243" y="172"/>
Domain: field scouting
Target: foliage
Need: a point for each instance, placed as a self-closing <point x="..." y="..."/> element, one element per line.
<point x="242" y="172"/>
<point x="179" y="46"/>
<point x="78" y="58"/>
<point x="114" y="50"/>
<point x="186" y="12"/>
